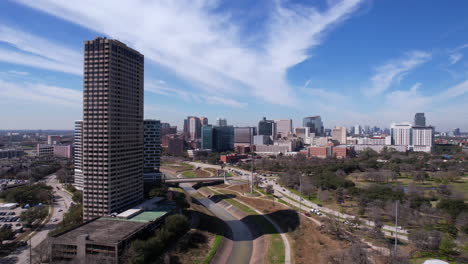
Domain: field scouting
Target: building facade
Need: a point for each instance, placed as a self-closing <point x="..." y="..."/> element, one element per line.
<point x="221" y="122"/>
<point x="78" y="155"/>
<point x="207" y="137"/>
<point x="339" y="134"/>
<point x="267" y="128"/>
<point x="284" y="127"/>
<point x="401" y="134"/>
<point x="244" y="135"/>
<point x="112" y="127"/>
<point x="152" y="150"/>
<point x="315" y="124"/>
<point x="419" y="120"/>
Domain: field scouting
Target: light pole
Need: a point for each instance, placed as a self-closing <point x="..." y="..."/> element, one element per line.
<point x="396" y="226"/>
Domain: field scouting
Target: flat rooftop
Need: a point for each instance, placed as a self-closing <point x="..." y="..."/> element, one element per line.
<point x="103" y="230"/>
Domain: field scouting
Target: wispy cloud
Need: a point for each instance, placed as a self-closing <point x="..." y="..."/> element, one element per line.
<point x="160" y="87"/>
<point x="40" y="93"/>
<point x="38" y="52"/>
<point x="204" y="46"/>
<point x="455" y="57"/>
<point x="394" y="70"/>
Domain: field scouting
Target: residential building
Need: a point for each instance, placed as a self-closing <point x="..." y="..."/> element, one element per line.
<point x="152" y="150"/>
<point x="339" y="134"/>
<point x="283" y="127"/>
<point x="419" y="120"/>
<point x="315" y="124"/>
<point x="267" y="128"/>
<point x="112" y="127"/>
<point x="221" y="122"/>
<point x="78" y="155"/>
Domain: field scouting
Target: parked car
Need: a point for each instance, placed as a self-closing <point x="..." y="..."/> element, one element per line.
<point x="54" y="220"/>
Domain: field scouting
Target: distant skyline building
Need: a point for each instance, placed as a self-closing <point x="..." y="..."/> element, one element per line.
<point x="221" y="122"/>
<point x="192" y="128"/>
<point x="419" y="120"/>
<point x="315" y="124"/>
<point x="302" y="132"/>
<point x="267" y="128"/>
<point x="207" y="137"/>
<point x="204" y="120"/>
<point x="152" y="150"/>
<point x="422" y="138"/>
<point x="112" y="127"/>
<point x="357" y="130"/>
<point x="244" y="135"/>
<point x="339" y="134"/>
<point x="284" y="127"/>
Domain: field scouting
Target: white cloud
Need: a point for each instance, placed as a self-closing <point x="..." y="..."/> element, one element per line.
<point x="455" y="57"/>
<point x="205" y="47"/>
<point x="22" y="73"/>
<point x="40" y="93"/>
<point x="38" y="52"/>
<point x="393" y="71"/>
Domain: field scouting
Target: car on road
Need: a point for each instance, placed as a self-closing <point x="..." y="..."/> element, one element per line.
<point x="54" y="220"/>
<point x="60" y="210"/>
<point x="307" y="214"/>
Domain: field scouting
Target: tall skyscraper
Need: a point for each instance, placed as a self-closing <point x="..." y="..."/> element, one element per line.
<point x="192" y="128"/>
<point x="267" y="128"/>
<point x="419" y="119"/>
<point x="221" y="122"/>
<point x="357" y="130"/>
<point x="152" y="150"/>
<point x="339" y="134"/>
<point x="78" y="154"/>
<point x="204" y="120"/>
<point x="223" y="138"/>
<point x="284" y="127"/>
<point x="401" y="134"/>
<point x="315" y="124"/>
<point x="112" y="127"/>
<point x="207" y="137"/>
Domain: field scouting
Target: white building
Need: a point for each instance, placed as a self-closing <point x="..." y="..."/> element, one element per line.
<point x="401" y="134"/>
<point x="422" y="138"/>
<point x="302" y="132"/>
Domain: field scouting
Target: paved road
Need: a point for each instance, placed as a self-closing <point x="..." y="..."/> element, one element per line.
<point x="242" y="238"/>
<point x="62" y="202"/>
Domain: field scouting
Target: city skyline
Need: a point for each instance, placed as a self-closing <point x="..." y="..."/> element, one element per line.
<point x="281" y="62"/>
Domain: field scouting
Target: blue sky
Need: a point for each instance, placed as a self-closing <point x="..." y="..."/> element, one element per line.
<point x="352" y="62"/>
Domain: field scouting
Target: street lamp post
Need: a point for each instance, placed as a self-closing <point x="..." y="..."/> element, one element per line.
<point x="300" y="193"/>
<point x="252" y="176"/>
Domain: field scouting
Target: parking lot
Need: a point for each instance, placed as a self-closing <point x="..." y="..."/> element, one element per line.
<point x="11" y="219"/>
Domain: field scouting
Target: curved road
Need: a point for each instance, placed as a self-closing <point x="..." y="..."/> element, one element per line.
<point x="241" y="235"/>
<point x="62" y="203"/>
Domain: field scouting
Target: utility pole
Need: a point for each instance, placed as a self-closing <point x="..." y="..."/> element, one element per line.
<point x="30" y="250"/>
<point x="396" y="226"/>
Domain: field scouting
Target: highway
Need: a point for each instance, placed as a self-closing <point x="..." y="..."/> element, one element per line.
<point x="62" y="203"/>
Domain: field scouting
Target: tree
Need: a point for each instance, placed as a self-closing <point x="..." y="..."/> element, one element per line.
<point x="420" y="176"/>
<point x="158" y="191"/>
<point x="339" y="196"/>
<point x="6" y="234"/>
<point x="447" y="246"/>
<point x="33" y="214"/>
<point x="452" y="207"/>
<point x="269" y="189"/>
<point x="425" y="240"/>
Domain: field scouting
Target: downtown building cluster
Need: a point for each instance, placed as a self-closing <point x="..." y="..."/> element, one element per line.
<point x="274" y="137"/>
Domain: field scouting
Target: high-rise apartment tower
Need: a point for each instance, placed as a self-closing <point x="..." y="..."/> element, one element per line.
<point x="78" y="154"/>
<point x="112" y="127"/>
